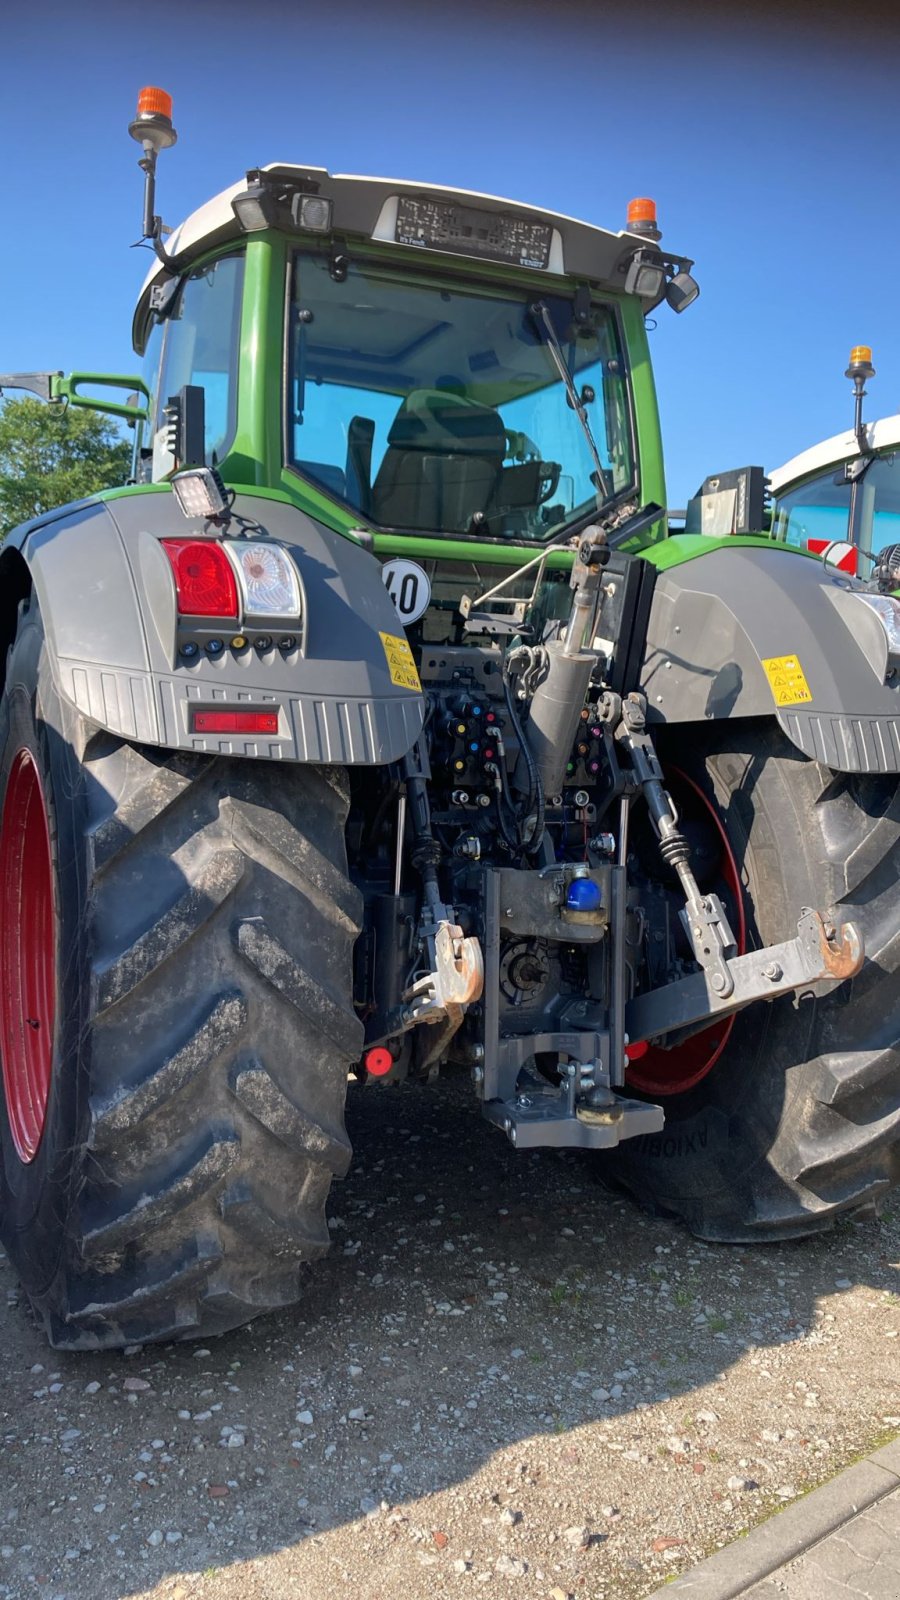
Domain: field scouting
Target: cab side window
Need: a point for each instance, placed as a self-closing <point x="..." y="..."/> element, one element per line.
<point x="818" y="509"/>
<point x="200" y="346"/>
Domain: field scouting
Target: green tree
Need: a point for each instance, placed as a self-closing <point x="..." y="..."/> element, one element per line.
<point x="50" y="455"/>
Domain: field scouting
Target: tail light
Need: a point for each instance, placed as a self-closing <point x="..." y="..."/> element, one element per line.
<point x="204" y="578"/>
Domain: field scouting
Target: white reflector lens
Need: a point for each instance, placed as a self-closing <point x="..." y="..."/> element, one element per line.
<point x="268" y="579"/>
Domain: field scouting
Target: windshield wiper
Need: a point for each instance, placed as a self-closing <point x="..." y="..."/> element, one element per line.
<point x="600" y="478"/>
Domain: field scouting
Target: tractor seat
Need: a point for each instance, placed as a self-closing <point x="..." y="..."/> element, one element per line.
<point x="443" y="463"/>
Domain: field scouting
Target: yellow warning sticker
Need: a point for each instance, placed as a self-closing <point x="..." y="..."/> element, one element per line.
<point x="401" y="665"/>
<point x="786" y="680"/>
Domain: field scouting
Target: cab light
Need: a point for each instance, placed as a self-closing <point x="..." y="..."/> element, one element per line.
<point x="152" y="122"/>
<point x="646" y="274"/>
<point x="641" y="217"/>
<point x="311" y="212"/>
<point x="268" y="578"/>
<point x="152" y="100"/>
<point x="204" y="579"/>
<point x="682" y="291"/>
<point x="234" y="721"/>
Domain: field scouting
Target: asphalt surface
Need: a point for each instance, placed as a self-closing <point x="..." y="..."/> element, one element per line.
<point x="504" y="1380"/>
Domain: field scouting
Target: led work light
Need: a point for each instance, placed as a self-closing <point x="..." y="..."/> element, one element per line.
<point x="200" y="492"/>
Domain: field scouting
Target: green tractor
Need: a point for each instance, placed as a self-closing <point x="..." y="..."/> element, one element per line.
<point x="379" y="727"/>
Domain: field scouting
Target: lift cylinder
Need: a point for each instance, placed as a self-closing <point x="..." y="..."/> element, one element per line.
<point x="556" y="712"/>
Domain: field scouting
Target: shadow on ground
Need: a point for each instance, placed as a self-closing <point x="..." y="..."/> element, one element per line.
<point x="475" y="1299"/>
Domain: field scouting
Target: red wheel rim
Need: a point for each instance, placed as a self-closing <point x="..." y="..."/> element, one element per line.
<point x="663" y="1072"/>
<point x="27" y="955"/>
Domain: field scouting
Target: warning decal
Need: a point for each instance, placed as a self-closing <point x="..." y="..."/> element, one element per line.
<point x="401" y="666"/>
<point x="786" y="680"/>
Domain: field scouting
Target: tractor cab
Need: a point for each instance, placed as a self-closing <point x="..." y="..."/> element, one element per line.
<point x="402" y="358"/>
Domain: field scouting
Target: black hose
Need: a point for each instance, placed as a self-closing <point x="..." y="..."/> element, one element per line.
<point x="535" y="787"/>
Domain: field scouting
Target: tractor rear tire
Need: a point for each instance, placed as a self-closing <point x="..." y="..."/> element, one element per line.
<point x="798" y="1121"/>
<point x="164" y="1166"/>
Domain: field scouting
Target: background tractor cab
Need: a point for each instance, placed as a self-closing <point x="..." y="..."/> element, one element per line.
<point x="841" y="497"/>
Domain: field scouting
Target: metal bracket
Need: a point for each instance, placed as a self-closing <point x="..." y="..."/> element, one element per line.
<point x="817" y="953"/>
<point x="511" y="620"/>
<point x="39" y="383"/>
<point x="532" y="1119"/>
<point x="712" y="940"/>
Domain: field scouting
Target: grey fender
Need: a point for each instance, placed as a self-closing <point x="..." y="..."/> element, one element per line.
<point x="716" y="619"/>
<point x="107" y="600"/>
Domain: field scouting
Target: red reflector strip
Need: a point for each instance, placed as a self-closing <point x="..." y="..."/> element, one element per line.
<point x="204" y="578"/>
<point x="234" y="721"/>
<point x="840" y="554"/>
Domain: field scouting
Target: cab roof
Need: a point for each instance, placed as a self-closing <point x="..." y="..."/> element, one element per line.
<point x="881" y="435"/>
<point x="367" y="208"/>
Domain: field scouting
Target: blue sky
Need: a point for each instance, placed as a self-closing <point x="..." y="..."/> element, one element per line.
<point x="769" y="141"/>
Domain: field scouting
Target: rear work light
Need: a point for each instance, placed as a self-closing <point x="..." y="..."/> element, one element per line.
<point x="234" y="721"/>
<point x="204" y="578"/>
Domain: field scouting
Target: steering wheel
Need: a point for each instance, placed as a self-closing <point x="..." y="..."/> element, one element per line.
<point x="550" y="472"/>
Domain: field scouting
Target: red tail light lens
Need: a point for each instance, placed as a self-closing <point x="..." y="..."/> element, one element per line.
<point x="204" y="578"/>
<point x="234" y="722"/>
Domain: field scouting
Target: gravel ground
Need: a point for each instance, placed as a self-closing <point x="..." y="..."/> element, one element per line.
<point x="504" y="1381"/>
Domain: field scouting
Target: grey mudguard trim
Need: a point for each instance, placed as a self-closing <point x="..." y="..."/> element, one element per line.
<point x="109" y="610"/>
<point x="715" y="619"/>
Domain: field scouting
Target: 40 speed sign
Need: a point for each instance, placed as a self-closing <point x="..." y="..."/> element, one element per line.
<point x="409" y="586"/>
